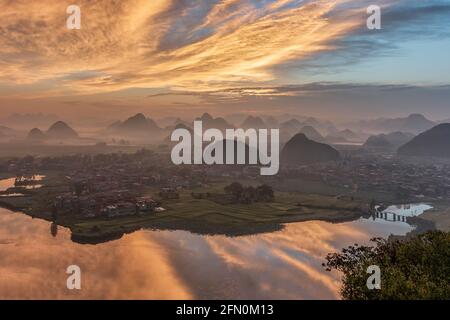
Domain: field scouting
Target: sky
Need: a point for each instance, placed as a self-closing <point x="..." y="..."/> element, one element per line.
<point x="185" y="57"/>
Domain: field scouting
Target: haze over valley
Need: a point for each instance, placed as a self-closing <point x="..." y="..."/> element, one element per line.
<point x="225" y="149"/>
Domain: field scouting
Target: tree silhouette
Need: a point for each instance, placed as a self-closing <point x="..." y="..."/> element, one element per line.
<point x="418" y="268"/>
<point x="235" y="189"/>
<point x="54" y="229"/>
<point x="265" y="193"/>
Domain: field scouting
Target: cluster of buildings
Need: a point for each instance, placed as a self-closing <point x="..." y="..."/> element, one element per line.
<point x="111" y="204"/>
<point x="112" y="184"/>
<point x="402" y="178"/>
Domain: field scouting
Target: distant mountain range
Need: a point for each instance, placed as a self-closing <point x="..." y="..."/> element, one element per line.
<point x="388" y="141"/>
<point x="135" y="125"/>
<point x="414" y="123"/>
<point x="431" y="143"/>
<point x="254" y="122"/>
<point x="61" y="130"/>
<point x="313" y="129"/>
<point x="36" y="135"/>
<point x="291" y="125"/>
<point x="179" y="122"/>
<point x="345" y="136"/>
<point x="139" y="128"/>
<point x="301" y="150"/>
<point x="311" y="133"/>
<point x="58" y="131"/>
<point x="217" y="123"/>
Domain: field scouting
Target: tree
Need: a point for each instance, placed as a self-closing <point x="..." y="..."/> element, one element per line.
<point x="54" y="229"/>
<point x="235" y="189"/>
<point x="417" y="268"/>
<point x="248" y="195"/>
<point x="265" y="193"/>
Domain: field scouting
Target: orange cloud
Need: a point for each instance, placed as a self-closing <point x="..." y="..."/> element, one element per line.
<point x="161" y="43"/>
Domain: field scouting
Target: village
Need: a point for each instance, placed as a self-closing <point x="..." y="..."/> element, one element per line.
<point x="118" y="185"/>
<point x="402" y="179"/>
<point x="111" y="188"/>
<point x="114" y="185"/>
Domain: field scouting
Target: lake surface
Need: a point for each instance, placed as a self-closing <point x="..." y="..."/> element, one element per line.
<point x="177" y="264"/>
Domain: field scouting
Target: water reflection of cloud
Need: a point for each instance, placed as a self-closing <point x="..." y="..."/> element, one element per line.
<point x="33" y="264"/>
<point x="177" y="264"/>
<point x="6" y="183"/>
<point x="285" y="264"/>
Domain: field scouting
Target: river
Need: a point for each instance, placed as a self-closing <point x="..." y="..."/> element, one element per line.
<point x="180" y="265"/>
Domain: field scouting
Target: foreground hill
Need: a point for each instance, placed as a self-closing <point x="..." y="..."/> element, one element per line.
<point x="300" y="150"/>
<point x="432" y="143"/>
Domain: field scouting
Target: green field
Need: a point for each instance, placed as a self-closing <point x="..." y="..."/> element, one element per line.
<point x="203" y="216"/>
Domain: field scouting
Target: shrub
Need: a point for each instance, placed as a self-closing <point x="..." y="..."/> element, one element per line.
<point x="417" y="268"/>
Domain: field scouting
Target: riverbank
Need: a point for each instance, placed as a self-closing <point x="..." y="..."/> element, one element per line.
<point x="439" y="215"/>
<point x="204" y="217"/>
<point x="199" y="216"/>
<point x="207" y="216"/>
